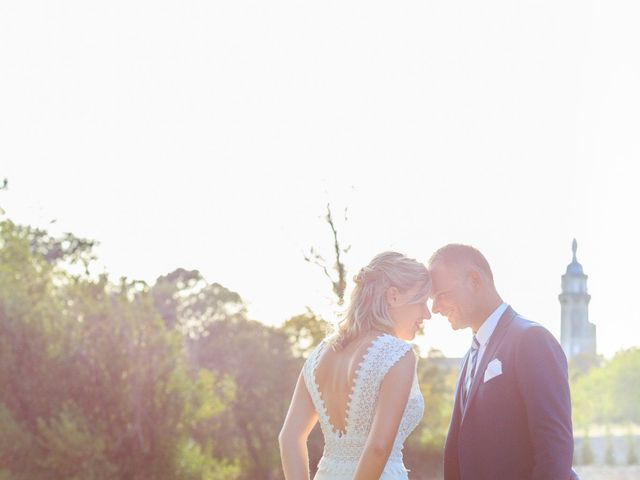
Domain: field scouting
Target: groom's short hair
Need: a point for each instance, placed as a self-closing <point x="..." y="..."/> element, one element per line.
<point x="458" y="255"/>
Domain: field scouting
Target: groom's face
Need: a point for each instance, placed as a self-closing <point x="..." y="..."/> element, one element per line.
<point x="450" y="295"/>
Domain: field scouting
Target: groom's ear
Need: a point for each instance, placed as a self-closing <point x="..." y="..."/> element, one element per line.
<point x="476" y="280"/>
<point x="392" y="295"/>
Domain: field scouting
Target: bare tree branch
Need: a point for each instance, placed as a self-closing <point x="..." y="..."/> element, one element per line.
<point x="338" y="285"/>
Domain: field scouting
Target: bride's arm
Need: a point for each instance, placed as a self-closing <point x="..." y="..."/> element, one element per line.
<point x="392" y="400"/>
<point x="298" y="424"/>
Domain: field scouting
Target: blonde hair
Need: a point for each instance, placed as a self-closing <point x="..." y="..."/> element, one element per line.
<point x="368" y="306"/>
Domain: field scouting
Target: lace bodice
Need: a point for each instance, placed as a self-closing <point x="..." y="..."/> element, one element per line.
<point x="342" y="450"/>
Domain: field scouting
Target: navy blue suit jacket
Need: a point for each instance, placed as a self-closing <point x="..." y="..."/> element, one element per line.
<point x="517" y="425"/>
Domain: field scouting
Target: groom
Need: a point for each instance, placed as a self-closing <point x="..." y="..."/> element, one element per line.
<point x="512" y="410"/>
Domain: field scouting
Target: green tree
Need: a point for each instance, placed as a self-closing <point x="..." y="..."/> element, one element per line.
<point x="586" y="453"/>
<point x="437" y="376"/>
<point x="257" y="359"/>
<point x="260" y="361"/>
<point x="609" y="393"/>
<point x="186" y="300"/>
<point x="582" y="364"/>
<point x="94" y="386"/>
<point x="592" y="400"/>
<point x="305" y="331"/>
<point x="609" y="454"/>
<point x="632" y="455"/>
<point x="624" y="369"/>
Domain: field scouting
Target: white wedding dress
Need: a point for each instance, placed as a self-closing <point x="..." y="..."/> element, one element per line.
<point x="342" y="451"/>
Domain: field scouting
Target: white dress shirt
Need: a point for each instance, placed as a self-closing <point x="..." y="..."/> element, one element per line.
<point x="483" y="335"/>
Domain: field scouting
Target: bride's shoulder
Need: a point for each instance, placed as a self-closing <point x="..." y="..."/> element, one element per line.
<point x="392" y="349"/>
<point x="388" y="341"/>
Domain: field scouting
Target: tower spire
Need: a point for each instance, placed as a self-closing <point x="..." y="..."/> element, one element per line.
<point x="578" y="335"/>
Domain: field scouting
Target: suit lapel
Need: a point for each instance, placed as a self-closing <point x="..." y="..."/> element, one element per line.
<point x="487" y="356"/>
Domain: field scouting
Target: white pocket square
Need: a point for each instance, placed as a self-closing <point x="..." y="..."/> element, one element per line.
<point x="493" y="370"/>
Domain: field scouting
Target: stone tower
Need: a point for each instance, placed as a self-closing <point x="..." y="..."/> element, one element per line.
<point x="577" y="335"/>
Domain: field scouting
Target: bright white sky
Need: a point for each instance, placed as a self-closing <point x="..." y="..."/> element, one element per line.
<point x="211" y="135"/>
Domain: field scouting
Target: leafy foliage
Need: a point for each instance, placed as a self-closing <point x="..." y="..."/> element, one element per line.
<point x="305" y="331"/>
<point x="94" y="386"/>
<point x="632" y="455"/>
<point x="424" y="448"/>
<point x="103" y="381"/>
<point x="608" y="393"/>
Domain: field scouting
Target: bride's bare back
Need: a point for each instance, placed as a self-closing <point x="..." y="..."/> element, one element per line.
<point x="335" y="376"/>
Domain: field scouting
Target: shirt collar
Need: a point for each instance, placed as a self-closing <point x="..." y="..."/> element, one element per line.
<point x="486" y="329"/>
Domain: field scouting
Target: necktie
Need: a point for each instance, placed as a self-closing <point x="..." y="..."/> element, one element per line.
<point x="471" y="368"/>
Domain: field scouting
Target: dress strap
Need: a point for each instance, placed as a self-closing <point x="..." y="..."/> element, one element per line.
<point x="383" y="354"/>
<point x="308" y="373"/>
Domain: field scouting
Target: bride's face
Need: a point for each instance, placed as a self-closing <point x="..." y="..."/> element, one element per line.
<point x="407" y="314"/>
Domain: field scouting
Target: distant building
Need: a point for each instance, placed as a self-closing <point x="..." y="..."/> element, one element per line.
<point x="577" y="334"/>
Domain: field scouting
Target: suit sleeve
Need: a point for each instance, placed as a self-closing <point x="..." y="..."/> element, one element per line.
<point x="543" y="382"/>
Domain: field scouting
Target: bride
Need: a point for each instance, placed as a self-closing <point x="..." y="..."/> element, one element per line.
<point x="361" y="383"/>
